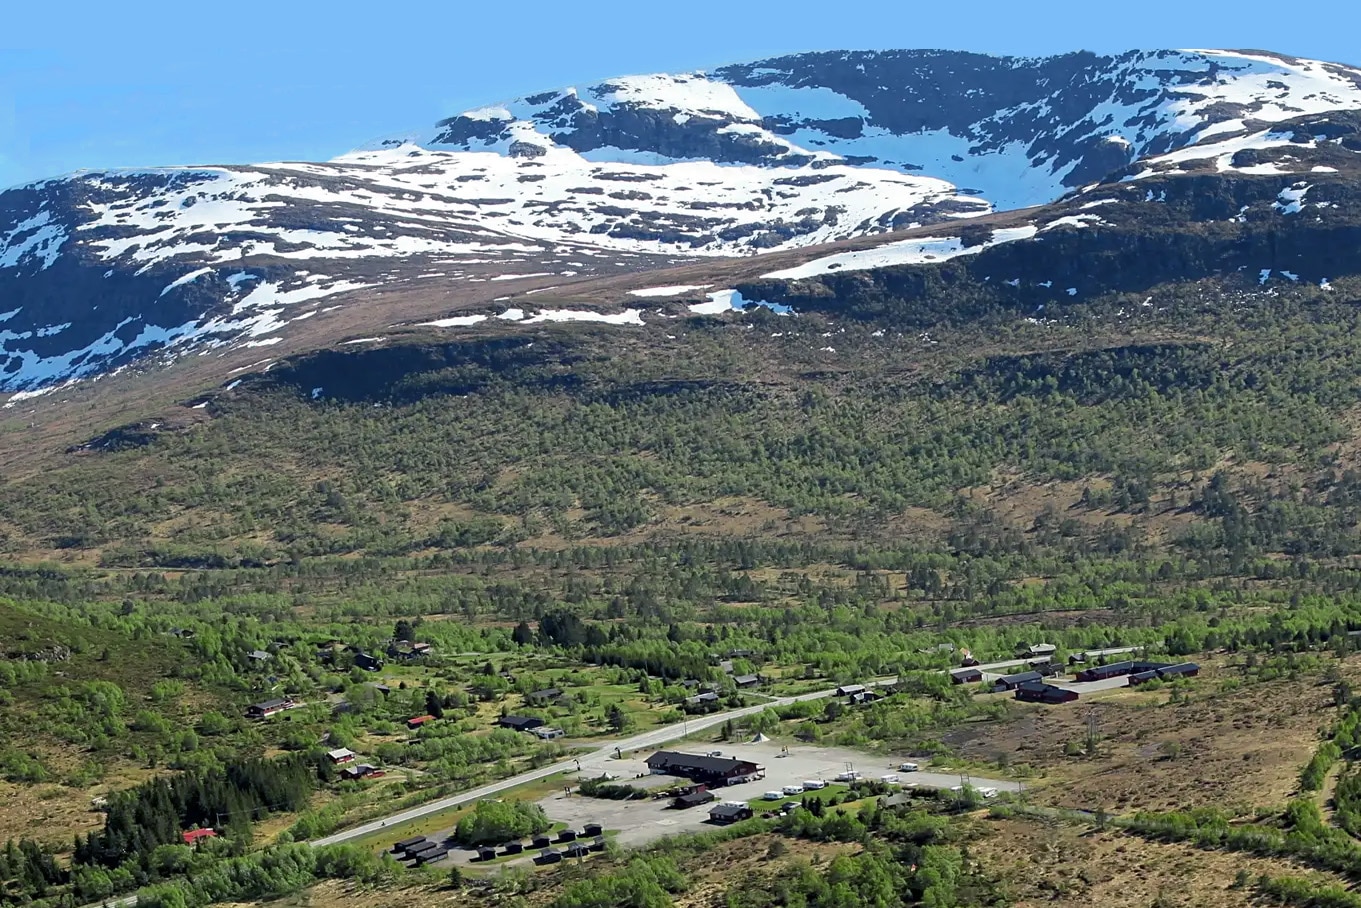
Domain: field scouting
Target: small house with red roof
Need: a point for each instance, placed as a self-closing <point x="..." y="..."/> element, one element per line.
<point x="194" y="836"/>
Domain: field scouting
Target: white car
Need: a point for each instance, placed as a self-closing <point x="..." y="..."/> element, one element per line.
<point x="814" y="785"/>
<point x="849" y="776"/>
<point x="908" y="767"/>
<point x="890" y="779"/>
<point x="794" y="789"/>
<point x="988" y="792"/>
<point x="773" y="795"/>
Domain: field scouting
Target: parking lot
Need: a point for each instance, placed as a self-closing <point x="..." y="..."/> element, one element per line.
<point x="640" y="822"/>
<point x="634" y="823"/>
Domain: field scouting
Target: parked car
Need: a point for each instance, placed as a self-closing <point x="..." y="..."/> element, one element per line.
<point x="772" y="795"/>
<point x="814" y="785"/>
<point x="988" y="792"/>
<point x="849" y="775"/>
<point x="794" y="789"/>
<point x="908" y="767"/>
<point x="889" y="779"/>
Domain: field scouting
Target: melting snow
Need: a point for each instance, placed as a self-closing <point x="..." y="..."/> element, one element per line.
<point x="33" y="239"/>
<point x="188" y="278"/>
<point x="676" y="290"/>
<point x="457" y="321"/>
<point x="627" y="317"/>
<point x="904" y="252"/>
<point x="1076" y="220"/>
<point x="728" y="300"/>
<point x="1291" y="200"/>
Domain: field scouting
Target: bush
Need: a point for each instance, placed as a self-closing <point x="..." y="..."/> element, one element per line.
<point x="612" y="791"/>
<point x="494" y="822"/>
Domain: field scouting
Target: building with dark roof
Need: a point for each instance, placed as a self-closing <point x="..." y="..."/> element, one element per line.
<point x="693" y="799"/>
<point x="1038" y="692"/>
<point x="520" y="723"/>
<point x="545" y="696"/>
<point x="709" y="770"/>
<point x="728" y="812"/>
<point x="438" y="853"/>
<point x="965" y="676"/>
<point x="701" y="703"/>
<point x="747" y="680"/>
<point x="1180" y="670"/>
<point x="368" y="663"/>
<point x="362" y="771"/>
<point x="1011" y="682"/>
<point x="1116" y="669"/>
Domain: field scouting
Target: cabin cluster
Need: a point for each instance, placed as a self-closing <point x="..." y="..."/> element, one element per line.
<point x="578" y="844"/>
<point x="575" y="842"/>
<point x="419" y="851"/>
<point x="1139" y="672"/>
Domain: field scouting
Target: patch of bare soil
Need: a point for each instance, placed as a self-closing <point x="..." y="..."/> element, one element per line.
<point x="1243" y="746"/>
<point x="1066" y="867"/>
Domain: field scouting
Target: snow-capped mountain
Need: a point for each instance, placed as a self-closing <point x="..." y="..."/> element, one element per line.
<point x="97" y="270"/>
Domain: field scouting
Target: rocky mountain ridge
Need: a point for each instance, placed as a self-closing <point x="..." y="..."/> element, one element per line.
<point x="105" y="269"/>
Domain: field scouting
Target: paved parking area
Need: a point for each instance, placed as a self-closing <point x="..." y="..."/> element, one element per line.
<point x="640" y="822"/>
<point x="637" y="823"/>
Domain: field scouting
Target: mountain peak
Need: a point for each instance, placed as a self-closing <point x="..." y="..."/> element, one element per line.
<point x="100" y="270"/>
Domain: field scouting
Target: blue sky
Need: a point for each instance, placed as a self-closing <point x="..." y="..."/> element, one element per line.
<point x="85" y="85"/>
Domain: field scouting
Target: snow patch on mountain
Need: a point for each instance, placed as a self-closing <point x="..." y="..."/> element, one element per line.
<point x="906" y="252"/>
<point x="732" y="300"/>
<point x="675" y="290"/>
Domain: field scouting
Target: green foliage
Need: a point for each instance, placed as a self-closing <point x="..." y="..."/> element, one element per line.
<point x="497" y="822"/>
<point x="644" y="882"/>
<point x="612" y="791"/>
